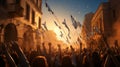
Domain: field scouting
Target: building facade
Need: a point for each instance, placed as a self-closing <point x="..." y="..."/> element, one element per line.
<point x="86" y="29"/>
<point x="19" y="21"/>
<point x="103" y="21"/>
<point x="115" y="7"/>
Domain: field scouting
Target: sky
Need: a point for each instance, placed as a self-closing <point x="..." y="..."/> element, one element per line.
<point x="63" y="9"/>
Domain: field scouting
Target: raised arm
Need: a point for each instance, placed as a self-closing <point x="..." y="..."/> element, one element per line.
<point x="23" y="60"/>
<point x="8" y="56"/>
<point x="44" y="49"/>
<point x="73" y="56"/>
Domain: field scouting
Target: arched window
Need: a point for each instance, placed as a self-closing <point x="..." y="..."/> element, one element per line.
<point x="10" y="33"/>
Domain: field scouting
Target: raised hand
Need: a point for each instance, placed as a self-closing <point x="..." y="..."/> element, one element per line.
<point x="23" y="60"/>
<point x="8" y="56"/>
<point x="59" y="45"/>
<point x="72" y="48"/>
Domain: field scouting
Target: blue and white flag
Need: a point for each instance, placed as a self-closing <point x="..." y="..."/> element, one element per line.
<point x="74" y="22"/>
<point x="57" y="25"/>
<point x="44" y="25"/>
<point x="67" y="39"/>
<point x="64" y="22"/>
<point x="49" y="9"/>
<point x="61" y="34"/>
<point x="69" y="35"/>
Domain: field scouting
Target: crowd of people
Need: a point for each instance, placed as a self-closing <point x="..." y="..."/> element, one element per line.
<point x="11" y="55"/>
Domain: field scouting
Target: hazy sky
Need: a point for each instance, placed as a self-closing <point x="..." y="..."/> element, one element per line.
<point x="64" y="8"/>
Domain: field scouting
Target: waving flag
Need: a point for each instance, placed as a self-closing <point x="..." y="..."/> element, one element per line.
<point x="64" y="22"/>
<point x="69" y="35"/>
<point x="44" y="25"/>
<point x="61" y="34"/>
<point x="57" y="25"/>
<point x="67" y="40"/>
<point x="74" y="22"/>
<point x="49" y="9"/>
<point x="78" y="23"/>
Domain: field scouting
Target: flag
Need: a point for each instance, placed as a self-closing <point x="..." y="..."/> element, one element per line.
<point x="67" y="40"/>
<point x="49" y="9"/>
<point x="78" y="23"/>
<point x="61" y="34"/>
<point x="42" y="29"/>
<point x="64" y="22"/>
<point x="44" y="25"/>
<point x="69" y="35"/>
<point x="57" y="25"/>
<point x="74" y="22"/>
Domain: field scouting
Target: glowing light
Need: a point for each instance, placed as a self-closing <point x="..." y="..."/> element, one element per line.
<point x="57" y="31"/>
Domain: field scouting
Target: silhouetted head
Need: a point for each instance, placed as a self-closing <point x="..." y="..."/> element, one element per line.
<point x="39" y="61"/>
<point x="66" y="61"/>
<point x="96" y="59"/>
<point x="49" y="43"/>
<point x="2" y="62"/>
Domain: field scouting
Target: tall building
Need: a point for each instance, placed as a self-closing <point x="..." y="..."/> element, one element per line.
<point x="104" y="20"/>
<point x="19" y="20"/>
<point x="115" y="7"/>
<point x="102" y="23"/>
<point x="86" y="29"/>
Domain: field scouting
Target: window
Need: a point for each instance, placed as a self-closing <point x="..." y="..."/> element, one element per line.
<point x="39" y="23"/>
<point x="27" y="12"/>
<point x="33" y="17"/>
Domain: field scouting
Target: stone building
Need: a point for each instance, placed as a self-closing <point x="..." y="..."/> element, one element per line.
<point x="102" y="23"/>
<point x="115" y="8"/>
<point x="19" y="21"/>
<point x="86" y="29"/>
<point x="104" y="19"/>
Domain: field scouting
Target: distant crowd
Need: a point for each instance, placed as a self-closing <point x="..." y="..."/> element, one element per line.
<point x="11" y="55"/>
